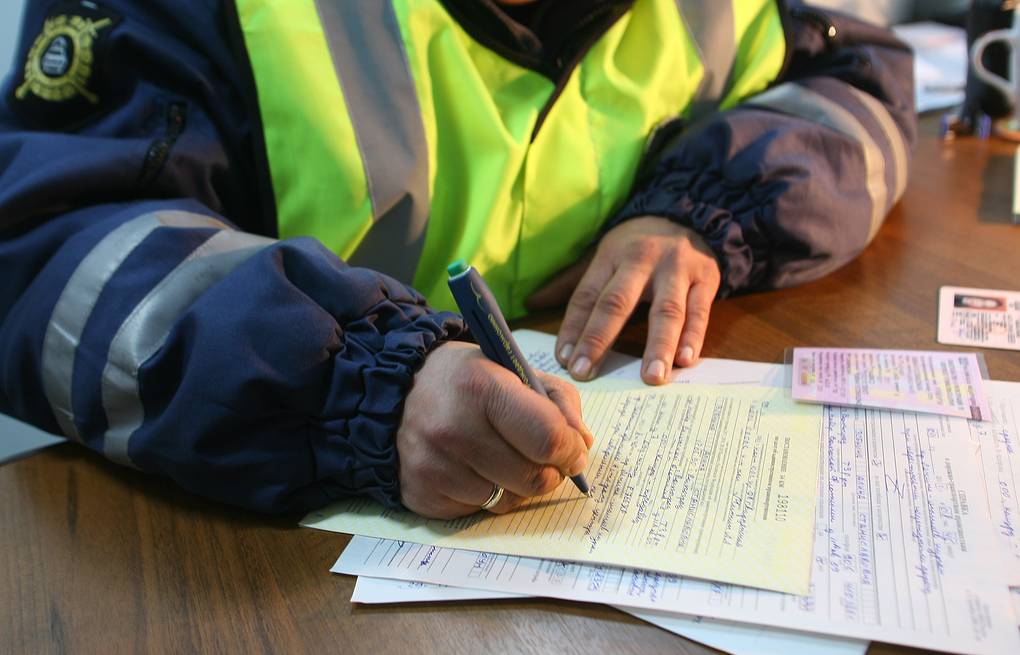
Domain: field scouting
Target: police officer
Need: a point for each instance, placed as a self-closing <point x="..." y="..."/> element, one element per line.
<point x="225" y="225"/>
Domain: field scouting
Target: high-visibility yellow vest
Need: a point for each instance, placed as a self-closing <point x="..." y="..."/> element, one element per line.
<point x="403" y="144"/>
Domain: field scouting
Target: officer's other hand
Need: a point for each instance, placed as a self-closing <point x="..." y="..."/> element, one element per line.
<point x="469" y="423"/>
<point x="648" y="259"/>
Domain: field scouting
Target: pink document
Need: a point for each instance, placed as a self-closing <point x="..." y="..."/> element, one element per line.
<point x="948" y="383"/>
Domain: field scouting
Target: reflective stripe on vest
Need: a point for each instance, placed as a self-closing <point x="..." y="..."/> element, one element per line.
<point x="370" y="62"/>
<point x="403" y="144"/>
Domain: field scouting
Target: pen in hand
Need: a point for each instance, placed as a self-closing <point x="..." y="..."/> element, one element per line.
<point x="484" y="318"/>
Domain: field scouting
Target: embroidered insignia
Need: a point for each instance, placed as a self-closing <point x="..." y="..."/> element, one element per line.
<point x="67" y="76"/>
<point x="59" y="64"/>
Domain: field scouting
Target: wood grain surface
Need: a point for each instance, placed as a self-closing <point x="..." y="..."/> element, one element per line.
<point x="97" y="558"/>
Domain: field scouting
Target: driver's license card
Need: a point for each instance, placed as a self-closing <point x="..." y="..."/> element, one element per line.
<point x="986" y="318"/>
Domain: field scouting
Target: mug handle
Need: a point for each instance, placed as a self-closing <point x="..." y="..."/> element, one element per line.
<point x="976" y="52"/>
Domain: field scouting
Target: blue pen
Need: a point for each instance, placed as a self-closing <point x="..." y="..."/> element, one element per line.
<point x="481" y="313"/>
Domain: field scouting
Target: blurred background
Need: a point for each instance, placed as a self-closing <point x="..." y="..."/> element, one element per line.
<point x="10" y="22"/>
<point x="888" y="12"/>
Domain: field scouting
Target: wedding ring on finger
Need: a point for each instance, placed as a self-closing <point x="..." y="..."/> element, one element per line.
<point x="497" y="495"/>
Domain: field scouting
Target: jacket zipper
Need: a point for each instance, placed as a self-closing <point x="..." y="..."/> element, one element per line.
<point x="159" y="150"/>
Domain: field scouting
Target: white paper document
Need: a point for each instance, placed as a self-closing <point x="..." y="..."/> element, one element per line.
<point x="735" y="638"/>
<point x="904" y="550"/>
<point x="538" y="349"/>
<point x="726" y="636"/>
<point x="997" y="442"/>
<point x="741" y="639"/>
<point x="687" y="479"/>
<point x="380" y="591"/>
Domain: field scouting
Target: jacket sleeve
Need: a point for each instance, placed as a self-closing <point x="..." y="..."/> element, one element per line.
<point x="794" y="182"/>
<point x="138" y="319"/>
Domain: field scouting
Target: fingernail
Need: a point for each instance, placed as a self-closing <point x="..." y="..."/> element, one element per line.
<point x="581" y="368"/>
<point x="687" y="354"/>
<point x="579" y="465"/>
<point x="565" y="352"/>
<point x="656" y="370"/>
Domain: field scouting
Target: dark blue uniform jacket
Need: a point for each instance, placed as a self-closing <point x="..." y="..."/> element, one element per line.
<point x="277" y="383"/>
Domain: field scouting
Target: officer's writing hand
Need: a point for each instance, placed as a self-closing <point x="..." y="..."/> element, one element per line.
<point x="643" y="259"/>
<point x="468" y="423"/>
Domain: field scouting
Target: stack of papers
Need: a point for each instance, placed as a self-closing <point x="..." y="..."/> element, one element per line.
<point x="685" y="480"/>
<point x="913" y="530"/>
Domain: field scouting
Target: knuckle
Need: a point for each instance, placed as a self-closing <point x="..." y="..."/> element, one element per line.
<point x="596" y="341"/>
<point x="499" y="406"/>
<point x="642" y="250"/>
<point x="426" y="504"/>
<point x="440" y="439"/>
<point x="477" y="383"/>
<point x="423" y="475"/>
<point x="411" y="458"/>
<point x="671" y="309"/>
<point x="553" y="384"/>
<point x="709" y="268"/>
<point x="411" y="502"/>
<point x="699" y="314"/>
<point x="550" y="447"/>
<point x="566" y="444"/>
<point x="571" y="328"/>
<point x="679" y="251"/>
<point x="584" y="298"/>
<point x="539" y="480"/>
<point x="481" y="387"/>
<point x="569" y="393"/>
<point x="548" y="479"/>
<point x="441" y="479"/>
<point x="614" y="302"/>
<point x="564" y="395"/>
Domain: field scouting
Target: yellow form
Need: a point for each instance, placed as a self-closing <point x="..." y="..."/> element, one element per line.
<point x="716" y="482"/>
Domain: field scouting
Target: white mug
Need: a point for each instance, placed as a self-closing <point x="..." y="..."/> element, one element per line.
<point x="1010" y="87"/>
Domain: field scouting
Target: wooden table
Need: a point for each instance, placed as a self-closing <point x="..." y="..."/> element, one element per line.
<point x="97" y="558"/>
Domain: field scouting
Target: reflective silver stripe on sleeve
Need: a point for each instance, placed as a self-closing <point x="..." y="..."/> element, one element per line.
<point x="712" y="26"/>
<point x="371" y="63"/>
<point x="76" y="302"/>
<point x="897" y="142"/>
<point x="796" y="100"/>
<point x="145" y="331"/>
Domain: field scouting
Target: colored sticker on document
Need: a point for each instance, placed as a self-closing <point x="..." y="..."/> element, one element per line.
<point x="944" y="383"/>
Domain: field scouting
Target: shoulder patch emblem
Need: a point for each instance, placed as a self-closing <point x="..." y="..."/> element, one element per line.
<point x="60" y="61"/>
<point x="66" y="76"/>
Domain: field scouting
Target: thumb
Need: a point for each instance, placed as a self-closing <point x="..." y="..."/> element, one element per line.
<point x="565" y="395"/>
<point x="556" y="291"/>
